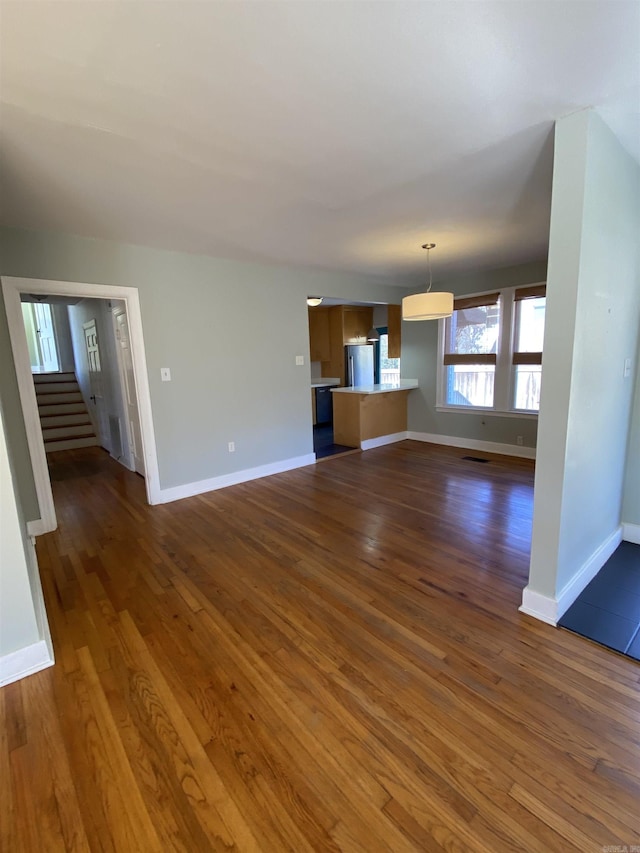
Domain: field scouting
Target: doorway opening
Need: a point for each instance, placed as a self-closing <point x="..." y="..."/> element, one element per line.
<point x="108" y="354"/>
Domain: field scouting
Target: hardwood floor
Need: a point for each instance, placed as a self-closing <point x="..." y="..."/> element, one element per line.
<point x="327" y="659"/>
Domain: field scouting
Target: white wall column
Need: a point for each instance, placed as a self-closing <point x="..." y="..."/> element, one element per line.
<point x="591" y="334"/>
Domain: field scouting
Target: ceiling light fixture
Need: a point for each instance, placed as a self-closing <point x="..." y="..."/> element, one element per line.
<point x="427" y="306"/>
<point x="373" y="336"/>
<point x="314" y="301"/>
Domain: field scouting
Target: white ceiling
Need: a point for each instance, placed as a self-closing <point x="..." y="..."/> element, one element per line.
<point x="340" y="135"/>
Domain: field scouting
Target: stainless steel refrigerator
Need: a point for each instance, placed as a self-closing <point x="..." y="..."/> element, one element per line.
<point x="359" y="364"/>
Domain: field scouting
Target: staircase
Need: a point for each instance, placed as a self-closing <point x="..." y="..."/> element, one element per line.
<point x="63" y="414"/>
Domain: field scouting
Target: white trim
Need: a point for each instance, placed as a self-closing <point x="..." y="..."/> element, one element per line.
<point x="549" y="609"/>
<point x="492" y="413"/>
<point x="12" y="288"/>
<point x="370" y="443"/>
<point x="25" y="662"/>
<point x="631" y="532"/>
<point x="37" y="597"/>
<point x="588" y="571"/>
<point x="539" y="606"/>
<point x="36" y="528"/>
<point x="188" y="490"/>
<point x="474" y="444"/>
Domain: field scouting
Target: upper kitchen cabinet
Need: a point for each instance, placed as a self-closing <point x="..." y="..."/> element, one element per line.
<point x="356" y="322"/>
<point x="394" y="328"/>
<point x="319" y="338"/>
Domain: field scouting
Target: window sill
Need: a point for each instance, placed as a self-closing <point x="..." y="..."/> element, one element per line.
<point x="493" y="413"/>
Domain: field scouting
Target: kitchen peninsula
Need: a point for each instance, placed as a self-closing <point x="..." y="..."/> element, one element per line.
<point x="365" y="412"/>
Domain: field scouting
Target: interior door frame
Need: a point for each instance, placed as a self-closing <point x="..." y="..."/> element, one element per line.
<point x="12" y="288"/>
<point x="116" y="312"/>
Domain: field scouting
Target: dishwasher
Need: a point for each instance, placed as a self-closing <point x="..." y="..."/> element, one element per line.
<point x="324" y="405"/>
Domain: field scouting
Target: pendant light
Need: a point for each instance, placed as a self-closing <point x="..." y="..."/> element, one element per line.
<point x="373" y="336"/>
<point x="314" y="301"/>
<point x="428" y="305"/>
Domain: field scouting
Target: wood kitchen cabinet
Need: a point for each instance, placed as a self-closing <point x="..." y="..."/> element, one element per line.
<point x="319" y="340"/>
<point x="394" y="328"/>
<point x="331" y="329"/>
<point x="356" y="323"/>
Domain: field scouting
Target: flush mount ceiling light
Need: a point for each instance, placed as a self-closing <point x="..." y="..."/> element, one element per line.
<point x="314" y="301"/>
<point x="428" y="305"/>
<point x="373" y="336"/>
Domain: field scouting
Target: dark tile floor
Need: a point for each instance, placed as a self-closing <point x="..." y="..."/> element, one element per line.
<point x="323" y="442"/>
<point x="608" y="609"/>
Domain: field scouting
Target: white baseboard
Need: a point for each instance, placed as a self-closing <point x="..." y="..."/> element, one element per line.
<point x="549" y="609"/>
<point x="539" y="606"/>
<point x="474" y="444"/>
<point x="588" y="571"/>
<point x="25" y="662"/>
<point x="381" y="440"/>
<point x="631" y="532"/>
<point x="188" y="490"/>
<point x="37" y="527"/>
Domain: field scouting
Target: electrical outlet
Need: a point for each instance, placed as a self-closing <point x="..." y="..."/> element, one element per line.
<point x="299" y="360"/>
<point x="232" y="447"/>
<point x="165" y="374"/>
<point x="519" y="440"/>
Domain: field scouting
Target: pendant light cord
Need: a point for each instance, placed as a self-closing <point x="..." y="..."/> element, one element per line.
<point x="429" y="247"/>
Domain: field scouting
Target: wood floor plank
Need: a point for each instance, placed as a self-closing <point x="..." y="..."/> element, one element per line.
<point x="328" y="659"/>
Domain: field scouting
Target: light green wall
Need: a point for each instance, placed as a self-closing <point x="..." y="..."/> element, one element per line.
<point x="593" y="311"/>
<point x="229" y="332"/>
<point x="631" y="500"/>
<point x="420" y="361"/>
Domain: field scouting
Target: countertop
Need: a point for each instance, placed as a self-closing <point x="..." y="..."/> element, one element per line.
<point x="323" y="381"/>
<point x="381" y="388"/>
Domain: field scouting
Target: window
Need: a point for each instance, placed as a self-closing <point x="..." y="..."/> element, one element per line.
<point x="491" y="351"/>
<point x="387" y="369"/>
<point x="529" y="308"/>
<point x="471" y="346"/>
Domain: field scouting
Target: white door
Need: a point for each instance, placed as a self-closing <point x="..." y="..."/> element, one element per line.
<point x="127" y="379"/>
<point x="97" y="407"/>
<point x="46" y="338"/>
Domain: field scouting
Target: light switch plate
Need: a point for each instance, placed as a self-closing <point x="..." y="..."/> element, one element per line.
<point x="165" y="374"/>
<point x="299" y="360"/>
<point x="627" y="368"/>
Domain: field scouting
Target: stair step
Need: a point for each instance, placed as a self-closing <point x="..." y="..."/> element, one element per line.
<point x="60" y="419"/>
<point x="50" y="378"/>
<point x="50" y="388"/>
<point x="54" y="399"/>
<point x="52" y="409"/>
<point x="75" y="430"/>
<point x="70" y="444"/>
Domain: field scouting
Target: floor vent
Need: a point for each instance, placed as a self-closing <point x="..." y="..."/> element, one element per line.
<point x="474" y="459"/>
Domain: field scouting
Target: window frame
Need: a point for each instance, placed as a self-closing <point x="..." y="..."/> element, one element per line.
<point x="505" y="369"/>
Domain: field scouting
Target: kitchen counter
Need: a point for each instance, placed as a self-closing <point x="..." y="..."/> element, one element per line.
<point x="324" y="382"/>
<point x="380" y="388"/>
<point x="364" y="413"/>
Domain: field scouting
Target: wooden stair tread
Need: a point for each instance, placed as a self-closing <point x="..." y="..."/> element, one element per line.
<point x="70" y="437"/>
